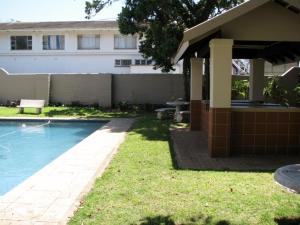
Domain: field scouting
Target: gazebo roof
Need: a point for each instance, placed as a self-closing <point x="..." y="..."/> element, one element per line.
<point x="266" y="29"/>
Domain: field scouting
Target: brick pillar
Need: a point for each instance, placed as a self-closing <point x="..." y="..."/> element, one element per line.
<point x="219" y="130"/>
<point x="196" y="93"/>
<point x="195" y="115"/>
<point x="219" y="127"/>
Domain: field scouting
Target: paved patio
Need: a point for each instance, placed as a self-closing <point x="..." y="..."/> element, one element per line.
<point x="50" y="196"/>
<point x="191" y="152"/>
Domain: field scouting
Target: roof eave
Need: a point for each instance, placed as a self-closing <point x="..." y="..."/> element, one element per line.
<point x="221" y="19"/>
<point x="181" y="50"/>
<point x="60" y="29"/>
<point x="212" y="24"/>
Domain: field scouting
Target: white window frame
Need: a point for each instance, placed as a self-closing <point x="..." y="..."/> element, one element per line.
<point x="60" y="46"/>
<point x="123" y="62"/>
<point x="143" y="62"/>
<point x="125" y="40"/>
<point x="13" y="42"/>
<point x="97" y="42"/>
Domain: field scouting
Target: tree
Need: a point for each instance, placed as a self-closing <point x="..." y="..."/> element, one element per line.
<point x="160" y="24"/>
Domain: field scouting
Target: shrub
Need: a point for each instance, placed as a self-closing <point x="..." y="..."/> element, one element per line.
<point x="55" y="104"/>
<point x="273" y="92"/>
<point x="240" y="89"/>
<point x="95" y="105"/>
<point x="297" y="94"/>
<point x="124" y="106"/>
<point x="76" y="104"/>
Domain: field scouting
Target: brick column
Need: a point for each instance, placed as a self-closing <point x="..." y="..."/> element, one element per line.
<point x="196" y="93"/>
<point x="257" y="79"/>
<point x="220" y="97"/>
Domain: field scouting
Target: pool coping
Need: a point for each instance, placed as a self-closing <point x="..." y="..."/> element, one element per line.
<point x="72" y="119"/>
<point x="51" y="195"/>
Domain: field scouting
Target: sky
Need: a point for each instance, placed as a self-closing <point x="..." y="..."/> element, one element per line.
<point x="52" y="10"/>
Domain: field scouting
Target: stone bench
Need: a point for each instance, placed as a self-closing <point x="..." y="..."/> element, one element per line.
<point x="29" y="103"/>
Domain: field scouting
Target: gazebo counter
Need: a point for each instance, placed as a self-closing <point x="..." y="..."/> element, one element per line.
<point x="265" y="130"/>
<point x="278" y="109"/>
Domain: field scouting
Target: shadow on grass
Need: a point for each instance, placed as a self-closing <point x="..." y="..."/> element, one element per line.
<point x="152" y="129"/>
<point x="287" y="221"/>
<point x="167" y="220"/>
<point x="204" y="220"/>
<point x="173" y="155"/>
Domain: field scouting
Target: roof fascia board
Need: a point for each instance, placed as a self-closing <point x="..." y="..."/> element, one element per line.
<point x="183" y="47"/>
<point x="60" y="29"/>
<point x="199" y="38"/>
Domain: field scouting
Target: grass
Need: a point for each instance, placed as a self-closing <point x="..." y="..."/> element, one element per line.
<point x="82" y="112"/>
<point x="143" y="186"/>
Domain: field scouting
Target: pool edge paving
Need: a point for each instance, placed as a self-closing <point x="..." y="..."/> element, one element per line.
<point x="52" y="194"/>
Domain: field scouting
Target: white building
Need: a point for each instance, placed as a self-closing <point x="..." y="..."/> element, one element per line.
<point x="70" y="47"/>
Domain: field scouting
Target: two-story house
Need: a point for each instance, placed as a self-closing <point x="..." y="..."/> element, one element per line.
<point x="69" y="47"/>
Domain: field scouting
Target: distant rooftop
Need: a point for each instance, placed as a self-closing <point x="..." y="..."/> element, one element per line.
<point x="58" y="25"/>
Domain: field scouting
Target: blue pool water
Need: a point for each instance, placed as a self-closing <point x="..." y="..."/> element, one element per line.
<point x="26" y="146"/>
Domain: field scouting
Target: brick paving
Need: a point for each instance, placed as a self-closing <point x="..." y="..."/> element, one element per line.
<point x="191" y="152"/>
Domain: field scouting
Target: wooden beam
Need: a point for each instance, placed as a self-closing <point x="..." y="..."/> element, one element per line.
<point x="295" y="52"/>
<point x="271" y="60"/>
<point x="290" y="56"/>
<point x="282" y="3"/>
<point x="281" y="58"/>
<point x="294" y="9"/>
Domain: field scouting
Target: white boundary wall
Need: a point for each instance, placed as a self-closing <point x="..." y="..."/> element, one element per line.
<point x="87" y="89"/>
<point x="16" y="87"/>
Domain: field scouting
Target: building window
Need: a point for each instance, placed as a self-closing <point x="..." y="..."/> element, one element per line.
<point x="143" y="62"/>
<point x="88" y="41"/>
<point x="53" y="42"/>
<point x="125" y="42"/>
<point x="123" y="62"/>
<point x="21" y="42"/>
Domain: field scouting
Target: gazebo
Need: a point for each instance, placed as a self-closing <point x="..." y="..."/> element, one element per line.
<point x="259" y="30"/>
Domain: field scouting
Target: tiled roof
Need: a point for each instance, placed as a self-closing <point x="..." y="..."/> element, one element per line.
<point x="58" y="25"/>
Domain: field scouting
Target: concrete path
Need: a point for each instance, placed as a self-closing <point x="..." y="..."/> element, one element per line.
<point x="52" y="195"/>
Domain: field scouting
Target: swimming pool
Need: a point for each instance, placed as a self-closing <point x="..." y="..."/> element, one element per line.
<point x="26" y="146"/>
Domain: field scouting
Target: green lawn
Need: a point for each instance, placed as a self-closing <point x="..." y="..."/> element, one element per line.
<point x="83" y="112"/>
<point x="143" y="186"/>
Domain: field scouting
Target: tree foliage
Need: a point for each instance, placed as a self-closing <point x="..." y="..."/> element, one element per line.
<point x="160" y="23"/>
